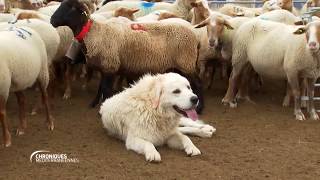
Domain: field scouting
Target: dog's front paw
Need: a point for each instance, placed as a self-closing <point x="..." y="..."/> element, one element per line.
<point x="153" y="156"/>
<point x="192" y="151"/>
<point x="206" y="131"/>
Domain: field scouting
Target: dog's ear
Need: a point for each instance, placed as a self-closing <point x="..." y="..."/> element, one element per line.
<point x="157" y="92"/>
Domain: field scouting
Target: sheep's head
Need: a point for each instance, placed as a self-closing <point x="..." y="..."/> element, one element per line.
<point x="312" y="33"/>
<point x="285" y="4"/>
<point x="73" y="13"/>
<point x="187" y="3"/>
<point x="200" y="11"/>
<point x="125" y="12"/>
<point x="215" y="27"/>
<point x="270" y="5"/>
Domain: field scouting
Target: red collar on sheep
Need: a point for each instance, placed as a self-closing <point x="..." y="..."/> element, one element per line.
<point x="84" y="31"/>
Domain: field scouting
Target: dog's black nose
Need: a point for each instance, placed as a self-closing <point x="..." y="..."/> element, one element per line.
<point x="194" y="100"/>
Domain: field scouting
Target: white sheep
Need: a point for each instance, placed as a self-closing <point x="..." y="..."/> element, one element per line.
<point x="47" y="32"/>
<point x="282" y="16"/>
<point x="20" y="71"/>
<point x="180" y="8"/>
<point x="155" y="16"/>
<point x="279" y="51"/>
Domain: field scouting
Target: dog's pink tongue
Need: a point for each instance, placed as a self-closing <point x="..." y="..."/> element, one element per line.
<point x="192" y="114"/>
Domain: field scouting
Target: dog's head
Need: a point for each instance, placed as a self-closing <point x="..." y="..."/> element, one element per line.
<point x="173" y="92"/>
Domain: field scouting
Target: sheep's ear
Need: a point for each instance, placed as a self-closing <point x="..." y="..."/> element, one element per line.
<point x="203" y="23"/>
<point x="300" y="30"/>
<point x="227" y="24"/>
<point x="157" y="92"/>
<point x="134" y="10"/>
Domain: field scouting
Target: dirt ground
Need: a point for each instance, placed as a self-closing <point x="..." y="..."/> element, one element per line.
<point x="261" y="141"/>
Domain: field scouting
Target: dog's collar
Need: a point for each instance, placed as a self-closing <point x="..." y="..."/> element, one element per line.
<point x="85" y="29"/>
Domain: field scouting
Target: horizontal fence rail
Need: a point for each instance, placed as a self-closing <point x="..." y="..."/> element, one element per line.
<point x="219" y="3"/>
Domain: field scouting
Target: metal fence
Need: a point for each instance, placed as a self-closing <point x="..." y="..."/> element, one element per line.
<point x="254" y="4"/>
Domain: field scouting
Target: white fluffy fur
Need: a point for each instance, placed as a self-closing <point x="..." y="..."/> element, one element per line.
<point x="143" y="115"/>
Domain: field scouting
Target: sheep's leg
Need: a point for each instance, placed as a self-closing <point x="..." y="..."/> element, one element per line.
<point x="45" y="101"/>
<point x="286" y="100"/>
<point x="235" y="76"/>
<point x="89" y="74"/>
<point x="304" y="91"/>
<point x="224" y="69"/>
<point x="197" y="89"/>
<point x="312" y="111"/>
<point x="210" y="75"/>
<point x="107" y="87"/>
<point x="202" y="65"/>
<point x="67" y="79"/>
<point x="97" y="99"/>
<point x="243" y="93"/>
<point x="22" y="113"/>
<point x="4" y="123"/>
<point x="293" y="80"/>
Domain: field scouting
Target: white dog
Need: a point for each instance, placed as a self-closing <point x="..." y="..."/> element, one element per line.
<point x="148" y="115"/>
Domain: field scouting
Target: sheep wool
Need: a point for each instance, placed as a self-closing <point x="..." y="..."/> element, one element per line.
<point x="19" y="71"/>
<point x="180" y="8"/>
<point x="139" y="51"/>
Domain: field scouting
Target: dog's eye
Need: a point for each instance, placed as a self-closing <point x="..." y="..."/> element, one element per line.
<point x="177" y="91"/>
<point x="188" y="87"/>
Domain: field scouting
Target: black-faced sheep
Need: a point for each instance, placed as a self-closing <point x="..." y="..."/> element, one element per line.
<point x="154" y="48"/>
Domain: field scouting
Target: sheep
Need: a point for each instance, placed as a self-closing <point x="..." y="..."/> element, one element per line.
<point x="282" y="16"/>
<point x="221" y="33"/>
<point x="20" y="71"/>
<point x="288" y="5"/>
<point x="32" y="15"/>
<point x="47" y="33"/>
<point x="25" y="4"/>
<point x="200" y="12"/>
<point x="151" y="49"/>
<point x="294" y="56"/>
<point x="156" y="16"/>
<point x="65" y="36"/>
<point x="124" y="12"/>
<point x="180" y="8"/>
<point x="234" y="10"/>
<point x="48" y="10"/>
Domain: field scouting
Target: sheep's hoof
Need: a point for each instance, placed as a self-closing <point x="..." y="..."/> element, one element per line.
<point x="66" y="96"/>
<point x="314" y="115"/>
<point x="20" y="132"/>
<point x="33" y="112"/>
<point x="51" y="125"/>
<point x="300" y="116"/>
<point x="7" y="141"/>
<point x="231" y="104"/>
<point x="84" y="87"/>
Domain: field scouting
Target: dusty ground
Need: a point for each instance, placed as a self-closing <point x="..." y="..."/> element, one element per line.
<point x="261" y="141"/>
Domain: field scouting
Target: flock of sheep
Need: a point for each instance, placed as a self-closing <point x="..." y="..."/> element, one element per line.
<point x="126" y="39"/>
